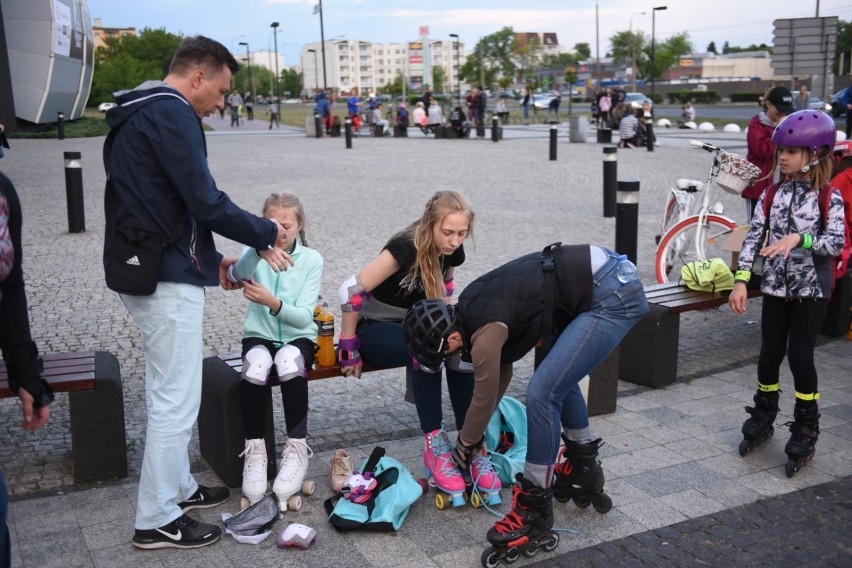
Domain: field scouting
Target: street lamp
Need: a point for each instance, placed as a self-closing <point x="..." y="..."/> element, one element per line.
<point x="653" y="55"/>
<point x="458" y="78"/>
<point x="316" y="71"/>
<point x="633" y="50"/>
<point x="274" y="26"/>
<point x="248" y="60"/>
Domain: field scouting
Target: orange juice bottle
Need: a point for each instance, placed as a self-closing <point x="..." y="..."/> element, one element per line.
<point x="326" y="357"/>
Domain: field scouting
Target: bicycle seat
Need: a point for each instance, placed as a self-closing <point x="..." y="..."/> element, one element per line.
<point x="690" y="185"/>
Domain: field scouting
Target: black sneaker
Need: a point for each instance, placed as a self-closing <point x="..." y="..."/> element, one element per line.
<point x="183" y="532"/>
<point x="205" y="497"/>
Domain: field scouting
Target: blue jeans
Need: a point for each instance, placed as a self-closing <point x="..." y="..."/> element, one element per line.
<point x="382" y="344"/>
<point x="554" y="399"/>
<point x="170" y="321"/>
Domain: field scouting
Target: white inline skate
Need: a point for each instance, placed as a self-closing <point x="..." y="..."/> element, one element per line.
<point x="291" y="475"/>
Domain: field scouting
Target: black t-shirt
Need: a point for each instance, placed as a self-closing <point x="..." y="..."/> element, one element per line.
<point x="402" y="249"/>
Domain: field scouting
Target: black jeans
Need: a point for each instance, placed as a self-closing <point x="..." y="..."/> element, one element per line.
<point x="790" y="327"/>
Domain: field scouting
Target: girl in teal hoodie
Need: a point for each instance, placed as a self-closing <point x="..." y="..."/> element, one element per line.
<point x="279" y="336"/>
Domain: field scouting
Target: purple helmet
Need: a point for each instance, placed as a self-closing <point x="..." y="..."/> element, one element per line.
<point x="806" y="129"/>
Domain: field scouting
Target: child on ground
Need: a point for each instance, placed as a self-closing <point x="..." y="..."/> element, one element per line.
<point x="575" y="299"/>
<point x="797" y="279"/>
<point x="279" y="336"/>
<point x="415" y="264"/>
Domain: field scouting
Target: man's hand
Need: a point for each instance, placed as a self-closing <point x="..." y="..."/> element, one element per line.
<point x="34" y="418"/>
<point x="276" y="258"/>
<point x="223" y="274"/>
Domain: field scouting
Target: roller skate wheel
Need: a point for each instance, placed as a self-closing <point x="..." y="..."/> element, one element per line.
<point x="475" y="500"/>
<point x="442" y="501"/>
<point x="308" y="488"/>
<point x="490" y="558"/>
<point x="582" y="501"/>
<point x="244" y="503"/>
<point x="602" y="503"/>
<point x="790" y="468"/>
<point x="294" y="503"/>
<point x="550" y="544"/>
<point x="744" y="448"/>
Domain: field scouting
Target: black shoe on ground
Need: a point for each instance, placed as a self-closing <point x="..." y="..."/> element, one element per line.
<point x="205" y="497"/>
<point x="183" y="532"/>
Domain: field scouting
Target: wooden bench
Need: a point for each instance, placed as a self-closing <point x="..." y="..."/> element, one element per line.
<point x="220" y="420"/>
<point x="93" y="383"/>
<point x="648" y="355"/>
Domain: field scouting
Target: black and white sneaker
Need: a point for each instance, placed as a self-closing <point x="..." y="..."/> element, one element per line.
<point x="205" y="497"/>
<point x="183" y="532"/>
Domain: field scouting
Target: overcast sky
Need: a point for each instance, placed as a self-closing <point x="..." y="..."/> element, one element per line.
<point x="739" y="22"/>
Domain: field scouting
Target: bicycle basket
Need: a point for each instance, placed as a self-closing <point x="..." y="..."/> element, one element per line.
<point x="735" y="173"/>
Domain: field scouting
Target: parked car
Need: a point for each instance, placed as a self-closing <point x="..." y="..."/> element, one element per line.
<point x="103" y="107"/>
<point x="814" y="103"/>
<point x="837" y="106"/>
<point x="637" y="99"/>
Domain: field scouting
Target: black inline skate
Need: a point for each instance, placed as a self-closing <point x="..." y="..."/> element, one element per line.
<point x="804" y="432"/>
<point x="580" y="477"/>
<point x="527" y="527"/>
<point x="759" y="427"/>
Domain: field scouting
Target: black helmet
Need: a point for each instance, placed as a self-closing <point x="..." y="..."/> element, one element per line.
<point x="426" y="327"/>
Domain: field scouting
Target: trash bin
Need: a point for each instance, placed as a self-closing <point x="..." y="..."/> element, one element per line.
<point x="578" y="125"/>
<point x="605" y="135"/>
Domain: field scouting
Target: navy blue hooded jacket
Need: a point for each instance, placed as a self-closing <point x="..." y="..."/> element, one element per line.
<point x="158" y="167"/>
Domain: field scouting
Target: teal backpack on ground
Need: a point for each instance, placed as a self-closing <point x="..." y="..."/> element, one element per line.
<point x="506" y="436"/>
<point x="388" y="503"/>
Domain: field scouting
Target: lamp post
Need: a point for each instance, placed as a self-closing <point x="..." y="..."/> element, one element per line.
<point x="633" y="50"/>
<point x="458" y="78"/>
<point x="248" y="60"/>
<point x="653" y="54"/>
<point x="274" y="26"/>
<point x="316" y="71"/>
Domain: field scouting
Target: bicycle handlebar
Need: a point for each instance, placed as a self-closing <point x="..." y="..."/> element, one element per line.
<point x="704" y="146"/>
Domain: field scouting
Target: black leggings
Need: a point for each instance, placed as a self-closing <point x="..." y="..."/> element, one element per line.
<point x="790" y="327"/>
<point x="294" y="395"/>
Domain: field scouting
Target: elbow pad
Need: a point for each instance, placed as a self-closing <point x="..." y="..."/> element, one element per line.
<point x="352" y="294"/>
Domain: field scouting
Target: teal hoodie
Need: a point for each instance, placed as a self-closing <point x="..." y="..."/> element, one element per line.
<point x="298" y="288"/>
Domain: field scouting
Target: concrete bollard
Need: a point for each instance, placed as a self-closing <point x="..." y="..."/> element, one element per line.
<point x="610" y="180"/>
<point x="74" y="193"/>
<point x="627" y="219"/>
<point x="553" y="141"/>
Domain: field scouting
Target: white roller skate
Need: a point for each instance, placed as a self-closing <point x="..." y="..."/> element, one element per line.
<point x="255" y="484"/>
<point x="291" y="475"/>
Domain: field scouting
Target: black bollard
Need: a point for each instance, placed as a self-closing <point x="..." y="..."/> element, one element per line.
<point x="552" y="141"/>
<point x="495" y="130"/>
<point x="348" y="124"/>
<point x="627" y="219"/>
<point x="610" y="180"/>
<point x="74" y="193"/>
<point x="318" y="125"/>
<point x="60" y="125"/>
<point x="649" y="132"/>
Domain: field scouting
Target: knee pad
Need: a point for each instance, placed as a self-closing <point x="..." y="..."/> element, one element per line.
<point x="290" y="363"/>
<point x="256" y="365"/>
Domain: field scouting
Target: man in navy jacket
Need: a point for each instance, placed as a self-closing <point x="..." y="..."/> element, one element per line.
<point x="161" y="181"/>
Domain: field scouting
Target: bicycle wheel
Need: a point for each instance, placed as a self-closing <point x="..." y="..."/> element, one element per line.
<point x="678" y="246"/>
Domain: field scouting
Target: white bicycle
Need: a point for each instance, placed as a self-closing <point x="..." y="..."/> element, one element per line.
<point x="687" y="234"/>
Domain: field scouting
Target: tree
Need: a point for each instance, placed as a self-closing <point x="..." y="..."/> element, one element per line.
<point x="492" y="57"/>
<point x="127" y="61"/>
<point x="291" y="82"/>
<point x="711" y="48"/>
<point x="439" y="76"/>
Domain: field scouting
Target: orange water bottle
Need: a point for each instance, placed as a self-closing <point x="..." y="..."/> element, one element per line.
<point x="326" y="356"/>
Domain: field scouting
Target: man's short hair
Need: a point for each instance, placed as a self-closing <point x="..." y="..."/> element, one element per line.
<point x="200" y="51"/>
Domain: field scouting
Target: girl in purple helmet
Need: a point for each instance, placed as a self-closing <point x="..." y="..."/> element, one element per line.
<point x="796" y="248"/>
